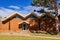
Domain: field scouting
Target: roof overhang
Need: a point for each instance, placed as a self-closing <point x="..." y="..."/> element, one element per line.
<point x="48" y="14"/>
<point x="23" y="22"/>
<point x="32" y="14"/>
<point x="14" y="14"/>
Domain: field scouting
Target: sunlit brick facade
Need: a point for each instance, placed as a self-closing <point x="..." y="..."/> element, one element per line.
<point x="31" y="22"/>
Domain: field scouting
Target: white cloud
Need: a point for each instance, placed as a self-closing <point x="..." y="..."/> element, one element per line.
<point x="59" y="11"/>
<point x="24" y="13"/>
<point x="32" y="8"/>
<point x="6" y="12"/>
<point x="28" y="9"/>
<point x="14" y="7"/>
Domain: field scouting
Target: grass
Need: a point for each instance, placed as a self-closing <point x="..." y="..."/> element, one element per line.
<point x="46" y="35"/>
<point x="32" y="37"/>
<point x="6" y="37"/>
<point x="41" y="34"/>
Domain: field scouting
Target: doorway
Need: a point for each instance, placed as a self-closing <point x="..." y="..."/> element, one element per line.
<point x="24" y="26"/>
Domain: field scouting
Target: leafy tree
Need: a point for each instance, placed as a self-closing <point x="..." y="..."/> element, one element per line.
<point x="50" y="4"/>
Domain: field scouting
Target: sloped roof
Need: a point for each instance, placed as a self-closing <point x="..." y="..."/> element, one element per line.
<point x="14" y="14"/>
<point x="48" y="14"/>
<point x="26" y="16"/>
<point x="33" y="14"/>
<point x="23" y="22"/>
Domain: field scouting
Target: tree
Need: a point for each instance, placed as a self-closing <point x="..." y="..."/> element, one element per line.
<point x="56" y="15"/>
<point x="51" y="4"/>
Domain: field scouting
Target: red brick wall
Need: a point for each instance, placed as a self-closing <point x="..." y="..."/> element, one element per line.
<point x="15" y="24"/>
<point x="34" y="26"/>
<point x="5" y="27"/>
<point x="0" y="27"/>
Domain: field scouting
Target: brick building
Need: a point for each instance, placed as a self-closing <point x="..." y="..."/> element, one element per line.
<point x="31" y="22"/>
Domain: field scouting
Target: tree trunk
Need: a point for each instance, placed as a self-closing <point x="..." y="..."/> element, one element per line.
<point x="56" y="15"/>
<point x="56" y="22"/>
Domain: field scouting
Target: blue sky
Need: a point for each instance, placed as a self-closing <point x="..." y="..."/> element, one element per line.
<point x="23" y="3"/>
<point x="7" y="7"/>
<point x="18" y="3"/>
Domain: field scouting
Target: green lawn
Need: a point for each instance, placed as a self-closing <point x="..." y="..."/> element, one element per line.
<point x="47" y="35"/>
<point x="34" y="36"/>
<point x="5" y="37"/>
